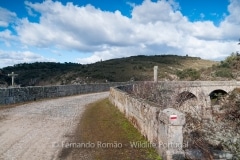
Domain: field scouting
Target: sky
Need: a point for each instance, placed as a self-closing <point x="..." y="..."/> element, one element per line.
<point x="88" y="31"/>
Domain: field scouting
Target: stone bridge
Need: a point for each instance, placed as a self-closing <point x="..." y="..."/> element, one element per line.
<point x="202" y="92"/>
<point x="203" y="89"/>
<point x="163" y="122"/>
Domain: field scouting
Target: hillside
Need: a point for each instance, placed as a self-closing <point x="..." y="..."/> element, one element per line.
<point x="123" y="69"/>
<point x="229" y="69"/>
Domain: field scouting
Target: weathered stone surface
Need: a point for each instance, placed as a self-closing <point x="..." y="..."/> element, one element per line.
<point x="174" y="155"/>
<point x="155" y="124"/>
<point x="194" y="154"/>
<point x="16" y="95"/>
<point x="155" y="70"/>
<point x="223" y="155"/>
<point x="166" y="114"/>
<point x="170" y="99"/>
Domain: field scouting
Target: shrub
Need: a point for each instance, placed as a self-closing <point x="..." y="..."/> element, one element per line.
<point x="189" y="73"/>
<point x="224" y="72"/>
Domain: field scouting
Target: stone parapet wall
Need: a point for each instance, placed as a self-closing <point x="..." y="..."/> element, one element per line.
<point x="199" y="83"/>
<point x="158" y="126"/>
<point x="24" y="94"/>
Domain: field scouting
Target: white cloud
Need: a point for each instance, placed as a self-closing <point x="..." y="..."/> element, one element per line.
<point x="71" y="27"/>
<point x="7" y="37"/>
<point x="230" y="26"/>
<point x="30" y="12"/>
<point x="6" y="17"/>
<point x="9" y="58"/>
<point x="205" y="30"/>
<point x="113" y="52"/>
<point x="131" y="4"/>
<point x="154" y="28"/>
<point x="234" y="9"/>
<point x="150" y="12"/>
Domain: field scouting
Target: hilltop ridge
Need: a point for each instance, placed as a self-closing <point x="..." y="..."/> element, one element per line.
<point x="135" y="68"/>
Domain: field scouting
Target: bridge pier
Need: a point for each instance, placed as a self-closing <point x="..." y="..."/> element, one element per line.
<point x="204" y="102"/>
<point x="207" y="109"/>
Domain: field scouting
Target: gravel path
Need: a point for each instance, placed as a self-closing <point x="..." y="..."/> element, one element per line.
<point x="36" y="130"/>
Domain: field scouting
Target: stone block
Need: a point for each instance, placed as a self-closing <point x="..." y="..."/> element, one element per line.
<point x="194" y="154"/>
<point x="4" y="92"/>
<point x="9" y="100"/>
<point x="172" y="117"/>
<point x="174" y="155"/>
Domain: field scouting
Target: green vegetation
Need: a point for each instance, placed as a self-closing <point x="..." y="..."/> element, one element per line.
<point x="189" y="74"/>
<point x="224" y="72"/>
<point x="123" y="69"/>
<point x="103" y="122"/>
<point x="137" y="68"/>
<point x="35" y="73"/>
<point x="228" y="66"/>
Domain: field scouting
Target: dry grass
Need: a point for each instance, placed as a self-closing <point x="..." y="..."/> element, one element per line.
<point x="103" y="122"/>
<point x="198" y="64"/>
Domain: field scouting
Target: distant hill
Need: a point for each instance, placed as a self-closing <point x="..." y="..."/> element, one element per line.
<point x="137" y="68"/>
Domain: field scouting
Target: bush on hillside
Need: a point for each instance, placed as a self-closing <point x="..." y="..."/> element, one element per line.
<point x="224" y="72"/>
<point x="232" y="61"/>
<point x="188" y="74"/>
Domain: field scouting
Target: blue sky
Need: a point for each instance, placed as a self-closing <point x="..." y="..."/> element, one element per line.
<point x="87" y="31"/>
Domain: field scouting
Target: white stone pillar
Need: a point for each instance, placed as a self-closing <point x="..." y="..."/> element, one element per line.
<point x="155" y="70"/>
<point x="170" y="136"/>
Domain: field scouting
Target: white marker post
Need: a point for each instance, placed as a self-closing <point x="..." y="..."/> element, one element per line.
<point x="13" y="76"/>
<point x="155" y="74"/>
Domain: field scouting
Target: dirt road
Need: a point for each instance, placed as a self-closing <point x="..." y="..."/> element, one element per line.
<point x="37" y="130"/>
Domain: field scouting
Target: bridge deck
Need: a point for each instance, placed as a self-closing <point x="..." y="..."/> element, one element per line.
<point x="37" y="130"/>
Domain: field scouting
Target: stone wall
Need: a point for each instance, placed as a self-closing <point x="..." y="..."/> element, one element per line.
<point x="160" y="127"/>
<point x="206" y="132"/>
<point x="24" y="94"/>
